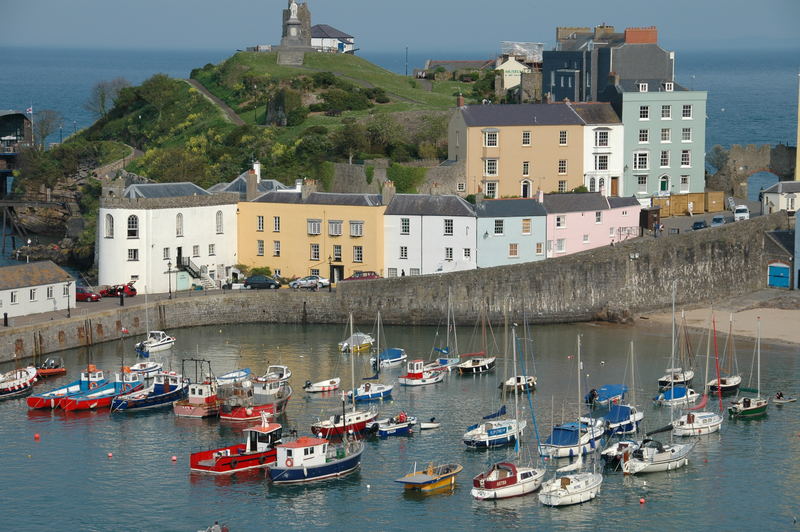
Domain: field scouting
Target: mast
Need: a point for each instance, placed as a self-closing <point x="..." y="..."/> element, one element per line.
<point x="352" y="368"/>
<point x="516" y="395"/>
<point x="633" y="378"/>
<point x="708" y="352"/>
<point x="758" y="355"/>
<point x="672" y="360"/>
<point x="378" y="350"/>
<point x="716" y="364"/>
<point x="505" y="350"/>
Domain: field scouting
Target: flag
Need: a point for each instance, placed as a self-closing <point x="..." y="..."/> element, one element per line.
<point x="29" y="110"/>
<point x="124" y="330"/>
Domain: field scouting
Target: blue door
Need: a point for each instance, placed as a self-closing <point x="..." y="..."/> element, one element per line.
<point x="778" y="276"/>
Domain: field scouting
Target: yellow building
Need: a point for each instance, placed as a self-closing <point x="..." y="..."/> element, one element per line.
<point x="515" y="150"/>
<point x="298" y="233"/>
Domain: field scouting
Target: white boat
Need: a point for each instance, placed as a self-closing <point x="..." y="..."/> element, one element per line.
<point x="418" y="376"/>
<point x="276" y="372"/>
<point x="389" y="358"/>
<point x="401" y="424"/>
<point x="679" y="376"/>
<point x="236" y="375"/>
<point x="446" y="361"/>
<point x="476" y="363"/>
<point x="751" y="406"/>
<point x="495" y="433"/>
<point x="573" y="439"/>
<point x="697" y="424"/>
<point x="783" y="400"/>
<point x="322" y="386"/>
<point x="17" y="382"/>
<point x="155" y="341"/>
<point x="429" y="425"/>
<point x="730" y="380"/>
<point x="356" y="342"/>
<point x="653" y="456"/>
<point x="677" y="396"/>
<point x="148" y="368"/>
<point x="371" y="391"/>
<point x="519" y="382"/>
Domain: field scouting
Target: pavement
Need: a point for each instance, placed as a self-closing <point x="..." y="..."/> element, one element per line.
<point x="680" y="224"/>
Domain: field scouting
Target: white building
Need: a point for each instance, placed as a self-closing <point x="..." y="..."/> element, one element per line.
<point x="152" y="229"/>
<point x="34" y="288"/>
<point x="603" y="150"/>
<point x="512" y="71"/>
<point x="428" y="234"/>
<point x="328" y="39"/>
<point x="782" y="196"/>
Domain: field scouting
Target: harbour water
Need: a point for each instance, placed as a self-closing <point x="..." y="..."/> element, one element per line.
<point x="745" y="477"/>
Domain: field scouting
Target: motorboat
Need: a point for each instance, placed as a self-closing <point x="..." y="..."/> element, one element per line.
<point x="257" y="452"/>
<point x="102" y="396"/>
<point x="433" y="477"/>
<point x="322" y="386"/>
<point x="416" y="375"/>
<point x="90" y="379"/>
<point x="310" y="459"/>
<point x="276" y="372"/>
<point x="356" y="343"/>
<point x="155" y="341"/>
<point x="166" y="388"/>
<point x="249" y="400"/>
<point x="401" y="424"/>
<point x="51" y="367"/>
<point x="17" y="382"/>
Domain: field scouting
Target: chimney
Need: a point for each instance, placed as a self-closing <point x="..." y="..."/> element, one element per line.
<point x="648" y="35"/>
<point x="548" y="98"/>
<point x="479" y="197"/>
<point x="540" y="196"/>
<point x="252" y="185"/>
<point x="602" y="31"/>
<point x="388" y="192"/>
<point x="309" y="186"/>
<point x="613" y="78"/>
<point x="257" y="168"/>
<point x="298" y="185"/>
<point x="459" y="100"/>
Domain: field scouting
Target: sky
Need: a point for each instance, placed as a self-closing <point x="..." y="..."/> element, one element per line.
<point x="384" y="26"/>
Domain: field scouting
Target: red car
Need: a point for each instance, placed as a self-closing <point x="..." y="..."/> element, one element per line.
<point x="127" y="290"/>
<point x="360" y="276"/>
<point x="84" y="294"/>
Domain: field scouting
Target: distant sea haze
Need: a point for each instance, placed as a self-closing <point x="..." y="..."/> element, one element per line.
<point x="752" y="95"/>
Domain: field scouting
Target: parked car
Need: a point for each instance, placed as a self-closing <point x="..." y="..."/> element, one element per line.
<point x="126" y="290"/>
<point x="741" y="212"/>
<point x="717" y="220"/>
<point x="259" y="282"/>
<point x="360" y="276"/>
<point x="310" y="281"/>
<point x="84" y="294"/>
<point x="699" y="224"/>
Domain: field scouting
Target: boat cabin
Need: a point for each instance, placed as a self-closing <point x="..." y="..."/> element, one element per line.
<point x="165" y="382"/>
<point x="277" y="372"/>
<point x="92" y="375"/>
<point x="415" y="369"/>
<point x="202" y="392"/>
<point x="128" y="377"/>
<point x="261" y="438"/>
<point x="271" y="387"/>
<point x="303" y="452"/>
<point x="157" y="337"/>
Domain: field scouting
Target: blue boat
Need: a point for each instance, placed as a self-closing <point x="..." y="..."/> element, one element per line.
<point x="165" y="390"/>
<point x="605" y="395"/>
<point x="677" y="395"/>
<point x="389" y="358"/>
<point x="569" y="439"/>
<point x="90" y="379"/>
<point x="371" y="392"/>
<point x="308" y="459"/>
<point x="399" y="425"/>
<point x="622" y="419"/>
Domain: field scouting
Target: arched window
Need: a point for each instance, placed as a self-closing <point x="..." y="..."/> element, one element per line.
<point x="592" y="184"/>
<point x="133" y="226"/>
<point x="219" y="222"/>
<point x="526" y="189"/>
<point x="109" y="226"/>
<point x="179" y="225"/>
<point x="663" y="183"/>
<point x="601" y="183"/>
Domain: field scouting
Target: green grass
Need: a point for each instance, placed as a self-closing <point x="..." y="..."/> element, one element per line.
<point x="111" y="151"/>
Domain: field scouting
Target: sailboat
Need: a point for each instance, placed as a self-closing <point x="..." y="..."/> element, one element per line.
<point x="478" y="362"/>
<point x="155" y="341"/>
<point x="680" y="376"/>
<point x="624" y="418"/>
<point x="446" y="362"/>
<point x="372" y="391"/>
<point x="730" y="380"/>
<point x="573" y="486"/>
<point x="751" y="406"/>
<point x="507" y="479"/>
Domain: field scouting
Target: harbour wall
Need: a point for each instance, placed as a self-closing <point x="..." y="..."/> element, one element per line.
<point x="609" y="283"/>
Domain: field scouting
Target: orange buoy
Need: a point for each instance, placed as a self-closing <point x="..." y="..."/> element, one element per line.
<point x="36" y="437"/>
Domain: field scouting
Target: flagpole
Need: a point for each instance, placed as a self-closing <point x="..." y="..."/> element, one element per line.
<point x="33" y="133"/>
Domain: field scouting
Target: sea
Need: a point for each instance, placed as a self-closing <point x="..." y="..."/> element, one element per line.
<point x="99" y="471"/>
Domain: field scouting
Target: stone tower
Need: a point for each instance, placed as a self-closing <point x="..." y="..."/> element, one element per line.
<point x="296" y="34"/>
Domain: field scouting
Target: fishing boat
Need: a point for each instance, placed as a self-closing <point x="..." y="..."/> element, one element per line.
<point x="147" y="368"/>
<point x="389" y="358"/>
<point x="17" y="382"/>
<point x="51" y="367"/>
<point x="322" y="386"/>
<point x="155" y="341"/>
<point x="433" y="477"/>
<point x="729" y="381"/>
<point x="676" y="396"/>
<point x="416" y="375"/>
<point x="309" y="459"/>
<point x="236" y="375"/>
<point x="250" y="400"/>
<point x="356" y="343"/>
<point x="90" y="379"/>
<point x="520" y="383"/>
<point x="257" y="452"/>
<point x="399" y="425"/>
<point x="101" y="397"/>
<point x="166" y="388"/>
<point x="202" y="400"/>
<point x="652" y="457"/>
<point x="276" y="372"/>
<point x="680" y="376"/>
<point x="605" y="395"/>
<point x="751" y="406"/>
<point x="494" y="433"/>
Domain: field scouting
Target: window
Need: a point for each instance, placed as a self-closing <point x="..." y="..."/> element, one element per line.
<point x="684" y="183"/>
<point x="276" y="248"/>
<point x="14" y="298"/>
<point x="166" y="254"/>
<point x="314" y="252"/>
<point x="337" y="253"/>
<point x="448" y="254"/>
<point x="49" y="292"/>
<point x="666" y="112"/>
<point x="513" y="250"/>
<point x="219" y="222"/>
<point x="405" y="226"/>
<point x="448" y="227"/>
<point x="461" y="187"/>
<point x="195" y="251"/>
<point x="598" y="217"/>
<point x="526" y="167"/>
<point x="601" y="138"/>
<point x="414" y="271"/>
<point x="65" y="292"/>
<point x="109" y="226"/>
<point x="539" y="248"/>
<point x="526" y="226"/>
<point x="562" y="166"/>
<point x="133" y="226"/>
<point x="335" y="227"/>
<point x="592" y="184"/>
<point x="624" y="213"/>
<point x="526" y="188"/>
<point x="669" y="86"/>
<point x="356" y="228"/>
<point x="314" y="271"/>
<point x="133" y="255"/>
<point x="403" y="252"/>
<point x="686" y="112"/>
<point x="686" y="134"/>
<point x="562" y="138"/>
<point x="526" y="138"/>
<point x="611" y="232"/>
<point x="498" y="227"/>
<point x="260" y="248"/>
<point x="601" y="162"/>
<point x="642" y="87"/>
<point x="467" y="253"/>
<point x="276" y="224"/>
<point x="358" y="254"/>
<point x="212" y="250"/>
<point x="602" y="184"/>
<point x="644" y="136"/>
<point x="33" y="294"/>
<point x="644" y="112"/>
<point x="179" y="224"/>
<point x="585" y="238"/>
<point x="490" y="167"/>
<point x="561" y="245"/>
<point x="641" y="181"/>
<point x="314" y="226"/>
<point x="664" y="160"/>
<point x="666" y="135"/>
<point x="491" y="189"/>
<point x="562" y="186"/>
<point x="392" y="272"/>
<point x="686" y="158"/>
<point x="561" y="221"/>
<point x="549" y="246"/>
<point x="641" y="160"/>
<point x="490" y="139"/>
<point x="259" y="223"/>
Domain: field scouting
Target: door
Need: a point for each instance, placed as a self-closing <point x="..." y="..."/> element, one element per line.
<point x="180" y="256"/>
<point x="778" y="275"/>
<point x="615" y="186"/>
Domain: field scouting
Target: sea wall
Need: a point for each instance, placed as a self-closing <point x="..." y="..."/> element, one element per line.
<point x="609" y="283"/>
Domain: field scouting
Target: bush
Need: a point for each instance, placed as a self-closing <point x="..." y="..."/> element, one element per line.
<point x="369" y="171"/>
<point x="406" y="179"/>
<point x="296" y="116"/>
<point x="316" y="107"/>
<point x="382" y="99"/>
<point x="346" y="101"/>
<point x="323" y="79"/>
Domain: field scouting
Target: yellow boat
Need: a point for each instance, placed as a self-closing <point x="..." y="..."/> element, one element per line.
<point x="431" y="478"/>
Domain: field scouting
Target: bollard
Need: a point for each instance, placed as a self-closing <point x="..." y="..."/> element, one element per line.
<point x="121" y="299"/>
<point x="5" y="319"/>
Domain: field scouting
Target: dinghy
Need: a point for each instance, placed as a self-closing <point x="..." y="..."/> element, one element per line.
<point x="322" y="386"/>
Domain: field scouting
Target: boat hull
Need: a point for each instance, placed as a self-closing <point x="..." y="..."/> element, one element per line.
<point x="229" y="460"/>
<point x="582" y="487"/>
<point x="17" y="382"/>
<point x="525" y="481"/>
<point x="250" y="413"/>
<point x="195" y="410"/>
<point x="148" y="401"/>
<point x="697" y="424"/>
<point x="757" y="408"/>
<point x="327" y="429"/>
<point x="476" y="366"/>
<point x="99" y="398"/>
<point x="333" y="469"/>
<point x="441" y="477"/>
<point x="411" y="380"/>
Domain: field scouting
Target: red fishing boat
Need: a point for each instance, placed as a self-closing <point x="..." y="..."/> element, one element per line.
<point x="257" y="451"/>
<point x="202" y="400"/>
<point x="90" y="379"/>
<point x="248" y="400"/>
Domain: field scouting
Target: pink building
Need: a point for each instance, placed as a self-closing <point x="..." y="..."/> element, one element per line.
<point x="581" y="221"/>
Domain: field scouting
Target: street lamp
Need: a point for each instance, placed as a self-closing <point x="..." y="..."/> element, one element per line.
<point x="330" y="275"/>
<point x="169" y="277"/>
<point x="69" y="311"/>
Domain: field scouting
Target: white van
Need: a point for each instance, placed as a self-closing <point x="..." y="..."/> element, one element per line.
<point x="741" y="212"/>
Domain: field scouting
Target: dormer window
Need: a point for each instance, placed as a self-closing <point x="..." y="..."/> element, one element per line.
<point x="642" y="87"/>
<point x="669" y="86"/>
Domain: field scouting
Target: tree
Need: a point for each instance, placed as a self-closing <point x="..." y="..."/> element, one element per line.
<point x="45" y="122"/>
<point x="158" y="91"/>
<point x="104" y="95"/>
<point x="382" y="130"/>
<point x="350" y="140"/>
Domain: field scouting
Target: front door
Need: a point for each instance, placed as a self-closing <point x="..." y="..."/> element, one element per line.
<point x="615" y="186"/>
<point x="180" y="255"/>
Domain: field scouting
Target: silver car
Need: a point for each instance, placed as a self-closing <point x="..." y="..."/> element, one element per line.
<point x="310" y="281"/>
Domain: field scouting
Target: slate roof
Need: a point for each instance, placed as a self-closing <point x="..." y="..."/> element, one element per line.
<point x="784" y="187"/>
<point x="429" y="205"/>
<point x="596" y="113"/>
<point x="502" y="208"/>
<point x="321" y="198"/>
<point x="582" y="40"/>
<point x="784" y="239"/>
<point x="6" y="112"/>
<point x="616" y="202"/>
<point x="323" y="31"/>
<point x="163" y="190"/>
<point x="575" y="202"/>
<point x="653" y="85"/>
<point x="522" y="114"/>
<point x="240" y="185"/>
<point x="33" y="274"/>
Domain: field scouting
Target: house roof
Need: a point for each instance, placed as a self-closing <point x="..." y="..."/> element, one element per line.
<point x="784" y="187"/>
<point x="575" y="202"/>
<point x="522" y="114"/>
<point x="323" y="31"/>
<point x="616" y="202"/>
<point x="6" y="112"/>
<point x="653" y="85"/>
<point x="33" y="274"/>
<point x="501" y="208"/>
<point x="452" y="66"/>
<point x="784" y="239"/>
<point x="596" y="113"/>
<point x="163" y="190"/>
<point x="240" y="185"/>
<point x="428" y="205"/>
<point x="321" y="198"/>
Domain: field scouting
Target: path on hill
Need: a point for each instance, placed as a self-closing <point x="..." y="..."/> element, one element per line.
<point x="110" y="169"/>
<point x="227" y="111"/>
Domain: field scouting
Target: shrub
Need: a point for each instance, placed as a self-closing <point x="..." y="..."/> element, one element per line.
<point x="382" y="99"/>
<point x="296" y="116"/>
<point x="406" y="179"/>
<point x="369" y="171"/>
<point x="323" y="79"/>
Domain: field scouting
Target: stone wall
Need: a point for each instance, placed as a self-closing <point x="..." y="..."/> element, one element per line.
<point x="607" y="283"/>
<point x="744" y="161"/>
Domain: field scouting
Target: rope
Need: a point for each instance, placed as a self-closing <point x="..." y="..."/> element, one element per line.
<point x="533" y="416"/>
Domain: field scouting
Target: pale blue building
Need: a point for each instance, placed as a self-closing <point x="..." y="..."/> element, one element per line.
<point x="510" y="231"/>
